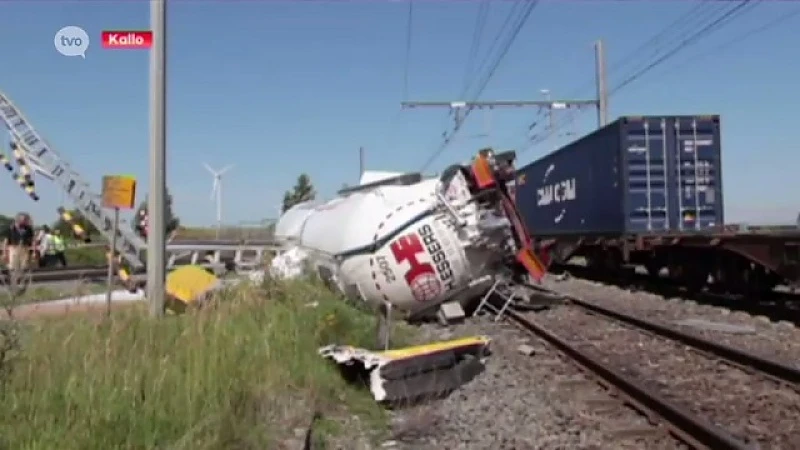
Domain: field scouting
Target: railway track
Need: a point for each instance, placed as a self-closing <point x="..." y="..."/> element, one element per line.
<point x="197" y="242"/>
<point x="52" y="274"/>
<point x="776" y="305"/>
<point x="701" y="393"/>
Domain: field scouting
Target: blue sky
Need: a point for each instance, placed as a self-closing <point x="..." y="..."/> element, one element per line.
<point x="280" y="88"/>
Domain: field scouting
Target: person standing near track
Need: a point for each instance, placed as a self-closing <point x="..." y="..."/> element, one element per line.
<point x="59" y="248"/>
<point x="44" y="244"/>
<point x="17" y="247"/>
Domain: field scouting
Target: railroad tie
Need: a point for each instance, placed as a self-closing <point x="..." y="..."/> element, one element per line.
<point x="634" y="432"/>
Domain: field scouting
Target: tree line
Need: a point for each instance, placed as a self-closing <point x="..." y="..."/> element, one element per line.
<point x="302" y="191"/>
<point x="65" y="228"/>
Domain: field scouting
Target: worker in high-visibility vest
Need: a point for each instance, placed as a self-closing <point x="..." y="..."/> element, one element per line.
<point x="59" y="247"/>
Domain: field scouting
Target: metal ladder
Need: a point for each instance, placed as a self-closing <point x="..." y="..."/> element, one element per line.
<point x="45" y="160"/>
<point x="505" y="290"/>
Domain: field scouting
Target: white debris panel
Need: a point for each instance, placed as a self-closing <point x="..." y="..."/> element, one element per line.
<point x="412" y="373"/>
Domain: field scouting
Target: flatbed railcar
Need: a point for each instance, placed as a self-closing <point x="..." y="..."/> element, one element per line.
<point x="647" y="191"/>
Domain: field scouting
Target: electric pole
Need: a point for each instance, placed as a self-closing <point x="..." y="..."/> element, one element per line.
<point x="459" y="108"/>
<point x="550" y="121"/>
<point x="360" y="162"/>
<point x="602" y="89"/>
<point x="156" y="206"/>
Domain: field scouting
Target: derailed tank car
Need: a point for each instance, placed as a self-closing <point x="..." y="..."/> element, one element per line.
<point x="648" y="191"/>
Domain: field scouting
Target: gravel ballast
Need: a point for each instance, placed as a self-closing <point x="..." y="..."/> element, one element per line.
<point x="751" y="407"/>
<point x="537" y="401"/>
<point x="777" y="340"/>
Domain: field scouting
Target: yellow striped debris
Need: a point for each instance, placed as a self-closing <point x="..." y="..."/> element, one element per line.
<point x="412" y="373"/>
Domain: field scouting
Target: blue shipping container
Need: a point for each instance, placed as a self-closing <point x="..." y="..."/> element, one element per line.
<point x="635" y="175"/>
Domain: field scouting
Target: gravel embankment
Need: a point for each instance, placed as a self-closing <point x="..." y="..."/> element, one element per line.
<point x="520" y="402"/>
<point x="778" y="340"/>
<point x="750" y="407"/>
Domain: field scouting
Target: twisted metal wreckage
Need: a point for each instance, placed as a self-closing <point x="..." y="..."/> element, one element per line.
<point x="427" y="248"/>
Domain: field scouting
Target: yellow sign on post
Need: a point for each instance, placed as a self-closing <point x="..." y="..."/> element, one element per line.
<point x="119" y="191"/>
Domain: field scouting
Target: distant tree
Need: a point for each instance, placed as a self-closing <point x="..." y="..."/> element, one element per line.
<point x="65" y="228"/>
<point x="303" y="191"/>
<point x="140" y="219"/>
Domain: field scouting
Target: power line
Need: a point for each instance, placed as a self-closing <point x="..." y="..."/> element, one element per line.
<point x="709" y="28"/>
<point x="448" y="137"/>
<point x="529" y="7"/>
<point x="687" y="21"/>
<point x="480" y="24"/>
<point x="679" y="26"/>
<point x="409" y="28"/>
<point x="738" y="39"/>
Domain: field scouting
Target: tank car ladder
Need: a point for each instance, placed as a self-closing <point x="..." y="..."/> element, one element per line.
<point x="504" y="290"/>
<point x="46" y="161"/>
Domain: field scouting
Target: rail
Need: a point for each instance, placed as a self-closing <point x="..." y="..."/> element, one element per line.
<point x="770" y="367"/>
<point x="200" y="242"/>
<point x="682" y="424"/>
<point x="60" y="274"/>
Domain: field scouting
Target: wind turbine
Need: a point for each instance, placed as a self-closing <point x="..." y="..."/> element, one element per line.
<point x="216" y="189"/>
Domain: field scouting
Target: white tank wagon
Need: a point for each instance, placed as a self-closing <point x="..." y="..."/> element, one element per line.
<point x="411" y="243"/>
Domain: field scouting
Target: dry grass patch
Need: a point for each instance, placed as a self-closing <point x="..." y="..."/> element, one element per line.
<point x="243" y="373"/>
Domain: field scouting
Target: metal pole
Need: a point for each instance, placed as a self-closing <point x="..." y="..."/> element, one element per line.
<point x="112" y="262"/>
<point x="219" y="207"/>
<point x="550" y="117"/>
<point x="156" y="264"/>
<point x="602" y="89"/>
<point x="360" y="162"/>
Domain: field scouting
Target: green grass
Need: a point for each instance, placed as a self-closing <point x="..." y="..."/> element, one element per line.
<point x="40" y="293"/>
<point x="241" y="373"/>
<point x="226" y="233"/>
<point x="86" y="256"/>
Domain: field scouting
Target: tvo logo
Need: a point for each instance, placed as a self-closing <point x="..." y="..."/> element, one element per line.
<point x="72" y="41"/>
<point x="558" y="192"/>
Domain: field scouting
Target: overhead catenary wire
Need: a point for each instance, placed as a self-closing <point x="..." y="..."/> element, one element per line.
<point x="409" y="33"/>
<point x="679" y="26"/>
<point x="408" y="30"/>
<point x="697" y="17"/>
<point x="682" y="24"/>
<point x="710" y="26"/>
<point x="529" y="6"/>
<point x="514" y="13"/>
<point x="522" y="17"/>
<point x="739" y="38"/>
<point x="477" y="34"/>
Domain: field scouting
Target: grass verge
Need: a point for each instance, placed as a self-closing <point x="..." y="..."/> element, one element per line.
<point x="241" y="373"/>
<point x="38" y="293"/>
<point x="86" y="256"/>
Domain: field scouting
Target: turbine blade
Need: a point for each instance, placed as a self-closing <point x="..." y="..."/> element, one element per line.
<point x="227" y="168"/>
<point x="208" y="168"/>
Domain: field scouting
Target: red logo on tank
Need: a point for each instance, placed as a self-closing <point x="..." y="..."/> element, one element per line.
<point x="420" y="276"/>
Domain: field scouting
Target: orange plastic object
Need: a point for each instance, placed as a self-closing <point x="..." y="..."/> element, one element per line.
<point x="532" y="264"/>
<point x="482" y="172"/>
